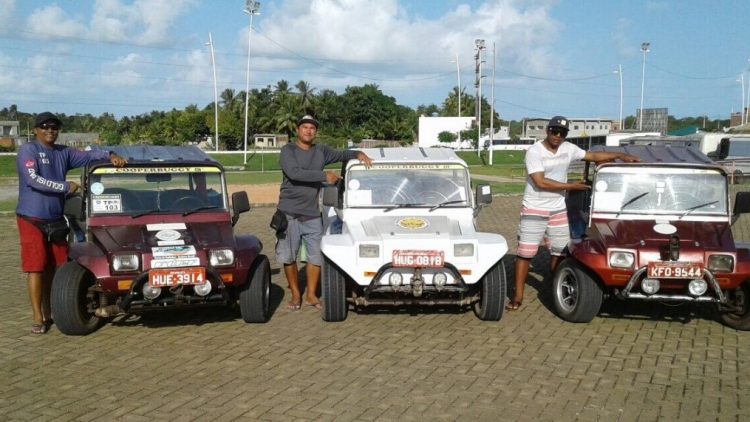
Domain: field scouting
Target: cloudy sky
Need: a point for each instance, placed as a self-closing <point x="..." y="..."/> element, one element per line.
<point x="128" y="57"/>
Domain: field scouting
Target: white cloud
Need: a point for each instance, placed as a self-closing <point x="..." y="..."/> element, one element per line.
<point x="146" y="22"/>
<point x="124" y="72"/>
<point x="7" y="16"/>
<point x="52" y="22"/>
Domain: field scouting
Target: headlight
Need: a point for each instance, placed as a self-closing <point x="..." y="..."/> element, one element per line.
<point x="619" y="259"/>
<point x="721" y="263"/>
<point x="129" y="262"/>
<point x="369" y="251"/>
<point x="463" y="249"/>
<point x="221" y="257"/>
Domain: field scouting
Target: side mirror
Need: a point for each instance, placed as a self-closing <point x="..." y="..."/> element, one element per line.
<point x="240" y="204"/>
<point x="74" y="207"/>
<point x="741" y="204"/>
<point x="331" y="197"/>
<point x="483" y="195"/>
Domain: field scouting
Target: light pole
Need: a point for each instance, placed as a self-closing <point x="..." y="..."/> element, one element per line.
<point x="210" y="44"/>
<point x="492" y="106"/>
<point x="252" y="8"/>
<point x="479" y="43"/>
<point x="644" y="49"/>
<point x="619" y="72"/>
<point x="741" y="80"/>
<point x="458" y="87"/>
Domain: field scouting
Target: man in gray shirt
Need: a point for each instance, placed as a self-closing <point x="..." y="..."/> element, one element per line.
<point x="302" y="164"/>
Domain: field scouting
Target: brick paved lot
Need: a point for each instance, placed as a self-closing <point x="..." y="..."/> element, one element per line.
<point x="634" y="362"/>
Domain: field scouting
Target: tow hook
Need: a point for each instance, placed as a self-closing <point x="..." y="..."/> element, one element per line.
<point x="417" y="284"/>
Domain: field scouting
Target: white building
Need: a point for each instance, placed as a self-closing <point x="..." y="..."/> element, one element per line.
<point x="579" y="128"/>
<point x="430" y="127"/>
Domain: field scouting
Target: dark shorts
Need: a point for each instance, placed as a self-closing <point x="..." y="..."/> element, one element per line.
<point x="36" y="253"/>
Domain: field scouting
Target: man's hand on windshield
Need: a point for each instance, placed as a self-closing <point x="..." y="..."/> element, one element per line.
<point x="72" y="187"/>
<point x="578" y="186"/>
<point x="116" y="160"/>
<point x="367" y="161"/>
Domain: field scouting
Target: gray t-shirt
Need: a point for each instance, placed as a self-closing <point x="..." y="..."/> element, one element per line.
<point x="304" y="175"/>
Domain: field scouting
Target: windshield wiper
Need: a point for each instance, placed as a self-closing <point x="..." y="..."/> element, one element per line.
<point x="393" y="207"/>
<point x="442" y="204"/>
<point x="141" y="214"/>
<point x="203" y="207"/>
<point x="630" y="201"/>
<point x="691" y="209"/>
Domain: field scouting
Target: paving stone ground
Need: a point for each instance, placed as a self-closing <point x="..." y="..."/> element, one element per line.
<point x="634" y="362"/>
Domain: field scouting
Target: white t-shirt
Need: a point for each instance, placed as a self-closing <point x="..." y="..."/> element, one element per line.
<point x="555" y="167"/>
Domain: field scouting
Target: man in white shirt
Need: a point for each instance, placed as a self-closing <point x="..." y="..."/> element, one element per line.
<point x="543" y="212"/>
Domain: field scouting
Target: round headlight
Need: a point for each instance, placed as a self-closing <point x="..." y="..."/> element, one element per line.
<point x="202" y="289"/>
<point x="395" y="279"/>
<point x="650" y="285"/>
<point x="150" y="292"/>
<point x="439" y="280"/>
<point x="697" y="287"/>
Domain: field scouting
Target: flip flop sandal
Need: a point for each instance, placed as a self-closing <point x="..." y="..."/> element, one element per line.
<point x="38" y="329"/>
<point x="316" y="305"/>
<point x="513" y="305"/>
<point x="293" y="306"/>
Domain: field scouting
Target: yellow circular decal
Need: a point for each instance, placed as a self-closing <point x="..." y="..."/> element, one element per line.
<point x="412" y="223"/>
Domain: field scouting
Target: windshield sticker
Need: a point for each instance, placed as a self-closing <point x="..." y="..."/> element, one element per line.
<point x="165" y="226"/>
<point x="601" y="186"/>
<point x="608" y="201"/>
<point x="106" y="203"/>
<point x="170" y="242"/>
<point x="145" y="170"/>
<point x="412" y="223"/>
<point x="97" y="188"/>
<point x="175" y="263"/>
<point x="168" y="235"/>
<point x="173" y="251"/>
<point x="354" y="184"/>
<point x="360" y="197"/>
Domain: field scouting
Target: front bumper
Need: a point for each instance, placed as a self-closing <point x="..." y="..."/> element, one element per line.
<point x="713" y="287"/>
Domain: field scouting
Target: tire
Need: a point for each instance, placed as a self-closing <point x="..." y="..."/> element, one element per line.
<point x="738" y="320"/>
<point x="333" y="290"/>
<point x="255" y="293"/>
<point x="73" y="300"/>
<point x="578" y="297"/>
<point x="492" y="294"/>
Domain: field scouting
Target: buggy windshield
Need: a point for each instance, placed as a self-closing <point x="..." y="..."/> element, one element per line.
<point x="146" y="190"/>
<point x="428" y="185"/>
<point x="641" y="190"/>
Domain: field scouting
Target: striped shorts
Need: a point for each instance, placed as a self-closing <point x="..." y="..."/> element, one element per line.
<point x="538" y="225"/>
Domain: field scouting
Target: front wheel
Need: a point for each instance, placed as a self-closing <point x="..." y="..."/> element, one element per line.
<point x="333" y="289"/>
<point x="74" y="300"/>
<point x="578" y="297"/>
<point x="490" y="304"/>
<point x="255" y="293"/>
<point x="739" y="317"/>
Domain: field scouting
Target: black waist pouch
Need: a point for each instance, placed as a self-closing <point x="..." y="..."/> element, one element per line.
<point x="54" y="231"/>
<point x="279" y="222"/>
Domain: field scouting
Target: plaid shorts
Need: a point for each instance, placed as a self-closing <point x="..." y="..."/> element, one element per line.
<point x="540" y="225"/>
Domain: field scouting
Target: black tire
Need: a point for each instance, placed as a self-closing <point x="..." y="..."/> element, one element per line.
<point x="492" y="294"/>
<point x="255" y="293"/>
<point x="577" y="296"/>
<point x="73" y="300"/>
<point x="333" y="290"/>
<point x="739" y="320"/>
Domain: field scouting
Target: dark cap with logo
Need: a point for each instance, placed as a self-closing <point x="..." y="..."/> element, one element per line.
<point x="559" y="121"/>
<point x="308" y="119"/>
<point x="45" y="117"/>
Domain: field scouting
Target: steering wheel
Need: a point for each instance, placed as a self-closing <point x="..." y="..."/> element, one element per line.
<point x="187" y="203"/>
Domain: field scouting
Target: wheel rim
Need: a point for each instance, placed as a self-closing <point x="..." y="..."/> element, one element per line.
<point x="566" y="291"/>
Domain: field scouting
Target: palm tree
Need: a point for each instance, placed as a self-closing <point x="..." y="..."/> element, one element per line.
<point x="306" y="94"/>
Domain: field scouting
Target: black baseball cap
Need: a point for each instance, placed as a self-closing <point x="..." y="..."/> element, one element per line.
<point x="559" y="121"/>
<point x="308" y="119"/>
<point x="45" y="117"/>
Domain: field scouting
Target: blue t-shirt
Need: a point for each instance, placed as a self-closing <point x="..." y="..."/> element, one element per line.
<point x="41" y="177"/>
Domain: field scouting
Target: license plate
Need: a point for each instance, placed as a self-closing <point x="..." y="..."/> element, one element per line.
<point x="415" y="258"/>
<point x="176" y="276"/>
<point x="675" y="270"/>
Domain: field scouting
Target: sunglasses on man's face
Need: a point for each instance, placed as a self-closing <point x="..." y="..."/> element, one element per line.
<point x="558" y="132"/>
<point x="49" y="126"/>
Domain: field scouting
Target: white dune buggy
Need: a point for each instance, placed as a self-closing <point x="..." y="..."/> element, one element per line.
<point x="403" y="233"/>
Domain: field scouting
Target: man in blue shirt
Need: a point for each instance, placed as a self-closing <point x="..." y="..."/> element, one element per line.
<point x="41" y="167"/>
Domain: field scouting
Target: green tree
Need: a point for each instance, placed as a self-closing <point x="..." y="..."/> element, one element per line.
<point x="446" y="137"/>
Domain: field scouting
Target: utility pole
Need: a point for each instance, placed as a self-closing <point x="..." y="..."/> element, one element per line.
<point x="216" y="93"/>
<point x="492" y="105"/>
<point x="479" y="43"/>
